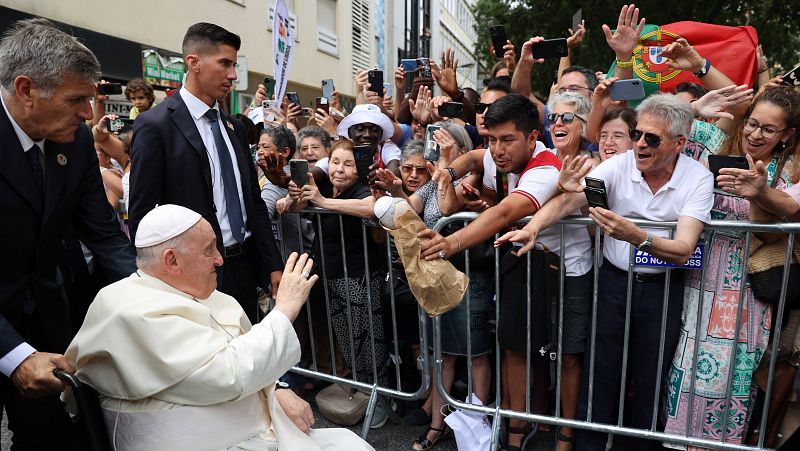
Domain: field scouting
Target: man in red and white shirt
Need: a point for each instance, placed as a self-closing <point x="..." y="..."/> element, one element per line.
<point x="532" y="173"/>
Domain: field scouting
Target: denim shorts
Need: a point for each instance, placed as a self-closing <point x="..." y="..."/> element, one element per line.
<point x="454" y="322"/>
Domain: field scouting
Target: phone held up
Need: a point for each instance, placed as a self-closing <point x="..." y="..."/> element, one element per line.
<point x="299" y="172"/>
<point x="119" y="125"/>
<point x="327" y="89"/>
<point x="363" y="156"/>
<point x="322" y="103"/>
<point x="451" y="109"/>
<point x="632" y="89"/>
<point x="550" y="48"/>
<point x="499" y="39"/>
<point x="717" y="162"/>
<point x="431" y="152"/>
<point x="595" y="191"/>
<point x="107" y="89"/>
<point x="375" y="81"/>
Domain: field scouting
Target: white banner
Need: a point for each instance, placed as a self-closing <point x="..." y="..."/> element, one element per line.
<point x="282" y="46"/>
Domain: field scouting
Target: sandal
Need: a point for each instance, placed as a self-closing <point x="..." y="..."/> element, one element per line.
<point x="564" y="438"/>
<point x="423" y="442"/>
<point x="526" y="431"/>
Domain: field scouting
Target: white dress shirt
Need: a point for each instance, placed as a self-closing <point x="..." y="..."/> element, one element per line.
<point x="197" y="109"/>
<point x="689" y="192"/>
<point x="10" y="361"/>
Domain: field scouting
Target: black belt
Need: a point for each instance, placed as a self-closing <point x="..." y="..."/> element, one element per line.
<point x="234" y="250"/>
<point x="637" y="276"/>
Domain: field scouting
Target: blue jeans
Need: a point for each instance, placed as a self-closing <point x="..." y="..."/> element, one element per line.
<point x="643" y="352"/>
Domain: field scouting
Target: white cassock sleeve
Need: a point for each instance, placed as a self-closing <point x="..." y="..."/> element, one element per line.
<point x="249" y="363"/>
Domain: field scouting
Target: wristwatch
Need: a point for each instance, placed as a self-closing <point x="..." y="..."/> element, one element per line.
<point x="452" y="172"/>
<point x="281" y="385"/>
<point x="704" y="70"/>
<point x="645" y="246"/>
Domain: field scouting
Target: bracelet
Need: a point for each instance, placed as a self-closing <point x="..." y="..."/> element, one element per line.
<point x="625" y="64"/>
<point x="561" y="188"/>
<point x="452" y="172"/>
<point x="704" y="70"/>
<point x="762" y="71"/>
<point x="458" y="241"/>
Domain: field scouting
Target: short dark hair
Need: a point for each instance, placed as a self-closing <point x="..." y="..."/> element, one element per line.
<point x="282" y="137"/>
<point x="694" y="89"/>
<point x="499" y="84"/>
<point x="139" y="85"/>
<point x="516" y="108"/>
<point x="626" y="115"/>
<point x="591" y="78"/>
<point x="202" y="35"/>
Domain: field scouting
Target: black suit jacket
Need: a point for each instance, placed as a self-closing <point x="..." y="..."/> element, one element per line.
<point x="31" y="231"/>
<point x="169" y="165"/>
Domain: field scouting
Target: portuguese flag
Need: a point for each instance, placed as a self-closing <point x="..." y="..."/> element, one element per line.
<point x="732" y="50"/>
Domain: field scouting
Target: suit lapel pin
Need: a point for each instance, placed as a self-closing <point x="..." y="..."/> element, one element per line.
<point x="61" y="159"/>
<point x="230" y="126"/>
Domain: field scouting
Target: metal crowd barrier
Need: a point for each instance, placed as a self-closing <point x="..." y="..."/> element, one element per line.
<point x="651" y="433"/>
<point x="396" y="391"/>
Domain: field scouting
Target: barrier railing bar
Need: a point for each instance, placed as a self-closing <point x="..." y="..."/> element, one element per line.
<point x="776" y="339"/>
<point x="469" y="328"/>
<point x="562" y="272"/>
<point x="699" y="323"/>
<point x="368" y="283"/>
<point x="736" y="333"/>
<point x="593" y="336"/>
<point x="348" y="302"/>
<point x="626" y="335"/>
<point x="664" y="309"/>
<point x="390" y="281"/>
<point x="528" y="334"/>
<point x="331" y="341"/>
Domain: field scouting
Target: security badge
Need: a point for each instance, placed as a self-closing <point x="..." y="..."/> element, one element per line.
<point x="61" y="159"/>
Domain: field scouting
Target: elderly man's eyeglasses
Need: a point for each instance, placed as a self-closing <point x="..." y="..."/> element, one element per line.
<point x="571" y="88"/>
<point x="767" y="131"/>
<point x="651" y="139"/>
<point x="566" y="118"/>
<point x="612" y="137"/>
<point x="408" y="169"/>
<point x="481" y="107"/>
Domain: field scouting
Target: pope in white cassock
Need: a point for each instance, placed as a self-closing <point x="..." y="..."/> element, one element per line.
<point x="178" y="365"/>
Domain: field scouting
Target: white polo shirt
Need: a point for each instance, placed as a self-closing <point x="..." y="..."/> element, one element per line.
<point x="539" y="183"/>
<point x="689" y="192"/>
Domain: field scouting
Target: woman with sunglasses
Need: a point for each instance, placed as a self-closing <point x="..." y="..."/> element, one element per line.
<point x="767" y="137"/>
<point x="454" y="141"/>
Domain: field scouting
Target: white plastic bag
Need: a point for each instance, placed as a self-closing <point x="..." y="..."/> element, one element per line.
<point x="473" y="430"/>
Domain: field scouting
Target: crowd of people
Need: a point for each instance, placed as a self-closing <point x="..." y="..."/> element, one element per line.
<point x="195" y="216"/>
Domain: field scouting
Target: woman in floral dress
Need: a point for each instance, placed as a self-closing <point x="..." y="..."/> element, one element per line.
<point x="767" y="137"/>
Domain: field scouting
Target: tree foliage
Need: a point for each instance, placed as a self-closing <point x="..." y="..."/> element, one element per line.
<point x="775" y="22"/>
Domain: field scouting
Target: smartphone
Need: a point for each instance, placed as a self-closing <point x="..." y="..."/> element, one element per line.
<point x="409" y="68"/>
<point x="387" y="89"/>
<point x="308" y="112"/>
<point x="631" y="89"/>
<point x="431" y="152"/>
<point x="327" y="89"/>
<point x="293" y="98"/>
<point x="299" y="172"/>
<point x="499" y="39"/>
<point x="451" y="109"/>
<point x="576" y="20"/>
<point x="375" y="81"/>
<point x="595" y="191"/>
<point x="717" y="162"/>
<point x="322" y="102"/>
<point x="550" y="48"/>
<point x="792" y="78"/>
<point x="269" y="85"/>
<point x="107" y="89"/>
<point x="424" y="65"/>
<point x="471" y="194"/>
<point x="271" y="108"/>
<point x="119" y="125"/>
<point x="363" y="156"/>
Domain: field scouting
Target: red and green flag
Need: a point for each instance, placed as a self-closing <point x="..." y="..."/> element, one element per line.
<point x="732" y="50"/>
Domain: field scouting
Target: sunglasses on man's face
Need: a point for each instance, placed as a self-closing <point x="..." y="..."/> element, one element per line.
<point x="566" y="118"/>
<point x="650" y="139"/>
<point x="481" y="107"/>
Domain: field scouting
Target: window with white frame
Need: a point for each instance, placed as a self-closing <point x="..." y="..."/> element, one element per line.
<point x="327" y="38"/>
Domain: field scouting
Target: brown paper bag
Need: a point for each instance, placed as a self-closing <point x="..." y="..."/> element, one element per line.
<point x="437" y="285"/>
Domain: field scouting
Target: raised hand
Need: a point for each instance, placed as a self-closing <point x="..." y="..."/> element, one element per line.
<point x="420" y="108"/>
<point x="446" y="75"/>
<point x="576" y="36"/>
<point x="749" y="183"/>
<point x="572" y="172"/>
<point x="682" y="56"/>
<point x="509" y="56"/>
<point x="526" y="54"/>
<point x="526" y="235"/>
<point x="623" y="40"/>
<point x="714" y="103"/>
<point x="387" y="181"/>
